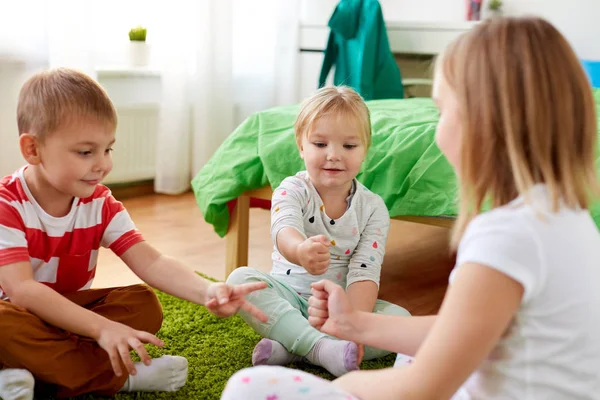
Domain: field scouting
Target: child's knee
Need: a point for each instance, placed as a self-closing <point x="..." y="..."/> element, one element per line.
<point x="153" y="314"/>
<point x="243" y="275"/>
<point x="143" y="306"/>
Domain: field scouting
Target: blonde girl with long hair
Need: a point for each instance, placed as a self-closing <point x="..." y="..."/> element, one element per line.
<point x="521" y="316"/>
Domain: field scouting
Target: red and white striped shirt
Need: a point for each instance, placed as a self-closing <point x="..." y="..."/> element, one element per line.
<point x="63" y="251"/>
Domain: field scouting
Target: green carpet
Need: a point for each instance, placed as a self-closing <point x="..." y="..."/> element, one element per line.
<point x="216" y="348"/>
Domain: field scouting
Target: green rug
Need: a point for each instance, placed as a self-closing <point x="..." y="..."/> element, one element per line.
<point x="216" y="348"/>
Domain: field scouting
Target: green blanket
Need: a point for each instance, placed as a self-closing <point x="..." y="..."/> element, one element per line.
<point x="404" y="165"/>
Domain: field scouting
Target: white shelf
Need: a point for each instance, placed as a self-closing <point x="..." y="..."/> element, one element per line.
<point x="405" y="37"/>
<point x="127" y="72"/>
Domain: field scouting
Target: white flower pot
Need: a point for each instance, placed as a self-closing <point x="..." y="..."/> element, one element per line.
<point x="139" y="53"/>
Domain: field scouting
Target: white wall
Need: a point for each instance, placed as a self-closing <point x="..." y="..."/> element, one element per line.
<point x="576" y="19"/>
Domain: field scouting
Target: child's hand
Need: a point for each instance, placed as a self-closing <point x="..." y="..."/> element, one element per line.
<point x="118" y="339"/>
<point x="225" y="300"/>
<point x="330" y="310"/>
<point x="313" y="254"/>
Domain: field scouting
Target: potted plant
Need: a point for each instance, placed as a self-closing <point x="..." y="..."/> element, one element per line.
<point x="139" y="51"/>
<point x="495" y="8"/>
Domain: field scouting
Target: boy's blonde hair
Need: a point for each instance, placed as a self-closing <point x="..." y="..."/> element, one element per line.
<point x="528" y="116"/>
<point x="338" y="101"/>
<point x="52" y="99"/>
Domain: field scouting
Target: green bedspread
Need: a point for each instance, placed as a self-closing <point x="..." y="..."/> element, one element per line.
<point x="404" y="165"/>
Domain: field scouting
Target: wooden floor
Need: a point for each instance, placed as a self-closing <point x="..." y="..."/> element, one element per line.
<point x="415" y="270"/>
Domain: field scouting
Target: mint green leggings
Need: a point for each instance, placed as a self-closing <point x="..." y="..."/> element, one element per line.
<point x="288" y="313"/>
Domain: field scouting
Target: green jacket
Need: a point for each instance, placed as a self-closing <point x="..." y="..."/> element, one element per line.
<point x="359" y="48"/>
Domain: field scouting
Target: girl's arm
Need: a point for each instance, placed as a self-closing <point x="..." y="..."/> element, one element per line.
<point x="477" y="310"/>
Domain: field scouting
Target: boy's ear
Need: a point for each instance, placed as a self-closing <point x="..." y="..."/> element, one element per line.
<point x="30" y="151"/>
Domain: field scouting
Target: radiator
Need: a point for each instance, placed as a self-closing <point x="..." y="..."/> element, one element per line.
<point x="134" y="156"/>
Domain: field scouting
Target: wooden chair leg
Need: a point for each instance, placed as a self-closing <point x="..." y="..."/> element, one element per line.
<point x="237" y="236"/>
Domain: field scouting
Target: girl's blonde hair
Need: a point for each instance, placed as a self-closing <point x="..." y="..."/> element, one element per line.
<point x="334" y="100"/>
<point x="527" y="115"/>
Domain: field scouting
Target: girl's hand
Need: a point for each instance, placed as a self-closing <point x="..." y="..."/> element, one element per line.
<point x="330" y="310"/>
<point x="225" y="300"/>
<point x="313" y="254"/>
<point x="118" y="339"/>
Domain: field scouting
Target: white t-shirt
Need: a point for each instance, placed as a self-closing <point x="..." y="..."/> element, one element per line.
<point x="552" y="349"/>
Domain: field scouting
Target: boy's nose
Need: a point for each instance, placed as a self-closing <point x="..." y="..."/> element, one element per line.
<point x="104" y="164"/>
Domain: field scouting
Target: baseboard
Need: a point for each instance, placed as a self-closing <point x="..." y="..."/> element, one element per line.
<point x="122" y="191"/>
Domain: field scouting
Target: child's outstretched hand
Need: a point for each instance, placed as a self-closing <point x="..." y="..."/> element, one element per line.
<point x="118" y="339"/>
<point x="313" y="254"/>
<point x="225" y="300"/>
<point x="330" y="310"/>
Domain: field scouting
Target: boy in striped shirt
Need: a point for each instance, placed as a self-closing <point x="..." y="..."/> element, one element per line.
<point x="54" y="216"/>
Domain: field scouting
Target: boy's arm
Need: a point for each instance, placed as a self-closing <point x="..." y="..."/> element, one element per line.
<point x="24" y="291"/>
<point x="173" y="277"/>
<point x="165" y="273"/>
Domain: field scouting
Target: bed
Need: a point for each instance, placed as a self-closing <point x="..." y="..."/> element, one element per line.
<point x="404" y="166"/>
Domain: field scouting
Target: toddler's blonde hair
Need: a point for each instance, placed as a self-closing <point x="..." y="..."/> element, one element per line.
<point x="338" y="101"/>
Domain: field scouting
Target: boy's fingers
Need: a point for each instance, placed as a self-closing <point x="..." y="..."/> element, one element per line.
<point x="126" y="358"/>
<point x="246" y="288"/>
<point x="222" y="293"/>
<point x="140" y="349"/>
<point x="150" y="338"/>
<point x="254" y="311"/>
<point x="211" y="303"/>
<point x="114" y="361"/>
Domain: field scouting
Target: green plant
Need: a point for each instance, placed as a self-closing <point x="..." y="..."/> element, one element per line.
<point x="495" y="5"/>
<point x="137" y="34"/>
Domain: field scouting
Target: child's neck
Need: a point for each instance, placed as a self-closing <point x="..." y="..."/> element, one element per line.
<point x="334" y="199"/>
<point x="52" y="201"/>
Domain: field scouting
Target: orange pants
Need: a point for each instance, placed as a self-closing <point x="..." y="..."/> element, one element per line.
<point x="72" y="364"/>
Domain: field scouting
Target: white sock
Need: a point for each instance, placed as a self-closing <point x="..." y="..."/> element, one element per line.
<point x="164" y="374"/>
<point x="16" y="384"/>
<point x="336" y="356"/>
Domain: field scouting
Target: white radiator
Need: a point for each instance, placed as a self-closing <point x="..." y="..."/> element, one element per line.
<point x="134" y="156"/>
